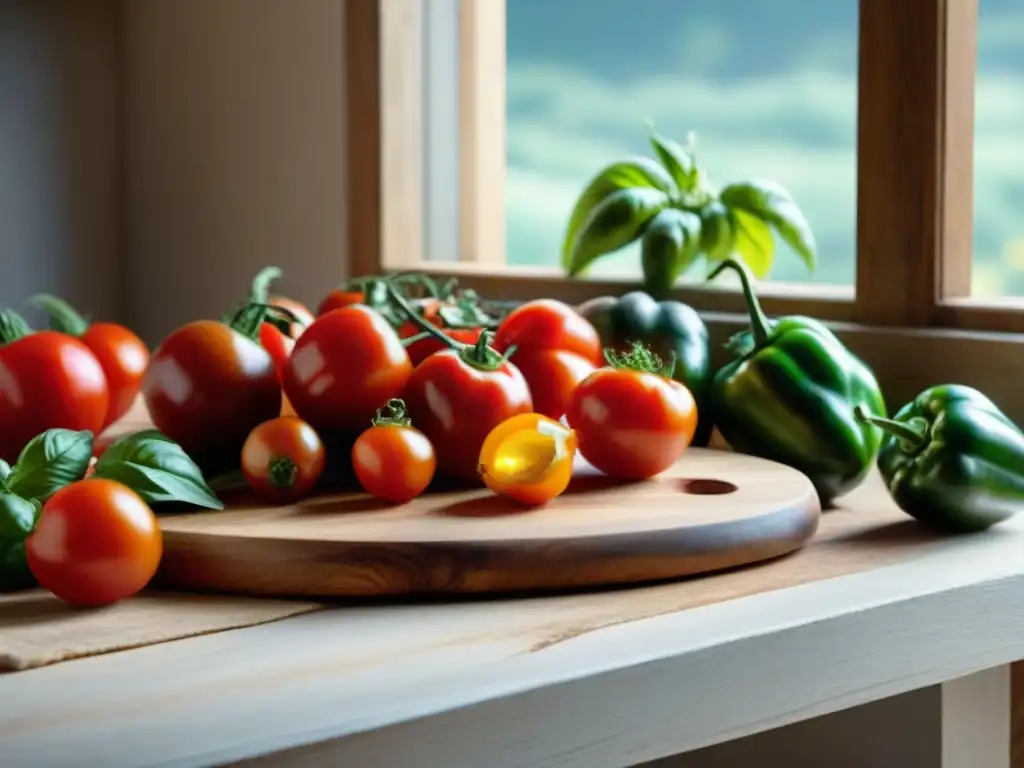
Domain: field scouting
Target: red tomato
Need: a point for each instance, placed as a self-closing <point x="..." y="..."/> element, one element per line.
<point x="96" y="542"/>
<point x="303" y="317"/>
<point x="343" y="367"/>
<point x="552" y="376"/>
<point x="393" y="460"/>
<point x="457" y="397"/>
<point x="282" y="459"/>
<point x="632" y="424"/>
<point x="339" y="298"/>
<point x="278" y="345"/>
<point x="549" y="324"/>
<point x="421" y="349"/>
<point x="207" y="386"/>
<point x="47" y="380"/>
<point x="124" y="359"/>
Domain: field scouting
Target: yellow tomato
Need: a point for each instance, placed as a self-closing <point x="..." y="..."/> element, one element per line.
<point x="529" y="458"/>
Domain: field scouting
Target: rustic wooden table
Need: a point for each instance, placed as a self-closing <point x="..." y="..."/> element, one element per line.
<point x="608" y="679"/>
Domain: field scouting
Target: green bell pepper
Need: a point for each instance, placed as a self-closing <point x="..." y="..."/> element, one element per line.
<point x="790" y="398"/>
<point x="667" y="328"/>
<point x="952" y="460"/>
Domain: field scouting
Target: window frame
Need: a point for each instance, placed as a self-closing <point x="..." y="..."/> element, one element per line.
<point x="910" y="317"/>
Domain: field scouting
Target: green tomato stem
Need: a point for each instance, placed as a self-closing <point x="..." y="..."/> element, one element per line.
<point x="248" y="318"/>
<point x="282" y="471"/>
<point x="641" y="359"/>
<point x="12" y="327"/>
<point x="260" y="291"/>
<point x="759" y="324"/>
<point x="63" y="317"/>
<point x="393" y="414"/>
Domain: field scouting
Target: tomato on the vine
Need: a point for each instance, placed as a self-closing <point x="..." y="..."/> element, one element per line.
<point x="287" y="315"/>
<point x="210" y="383"/>
<point x="47" y="380"/>
<point x="548" y="324"/>
<point x="528" y="458"/>
<point x="282" y="459"/>
<point x="552" y="375"/>
<point x="343" y="367"/>
<point x="420" y="349"/>
<point x="393" y="460"/>
<point x="632" y="420"/>
<point x="457" y="396"/>
<point x="96" y="542"/>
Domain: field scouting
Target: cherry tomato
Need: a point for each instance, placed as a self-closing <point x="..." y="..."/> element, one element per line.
<point x="548" y="324"/>
<point x="96" y="542"/>
<point x="282" y="459"/>
<point x="47" y="380"/>
<point x="631" y="421"/>
<point x="121" y="353"/>
<point x="552" y="375"/>
<point x="393" y="460"/>
<point x="528" y="458"/>
<point x="458" y="396"/>
<point x="339" y="298"/>
<point x="208" y="385"/>
<point x="343" y="367"/>
<point x="303" y="317"/>
<point x="278" y="344"/>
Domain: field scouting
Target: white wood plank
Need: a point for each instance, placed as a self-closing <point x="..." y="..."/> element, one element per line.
<point x="524" y="682"/>
<point x="976" y="720"/>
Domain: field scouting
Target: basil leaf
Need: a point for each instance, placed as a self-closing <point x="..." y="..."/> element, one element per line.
<point x="56" y="458"/>
<point x="677" y="161"/>
<point x="772" y="204"/>
<point x="753" y="240"/>
<point x="669" y="247"/>
<point x="614" y="224"/>
<point x="157" y="469"/>
<point x="5" y="471"/>
<point x="18" y="517"/>
<point x="14" y="571"/>
<point x="635" y="172"/>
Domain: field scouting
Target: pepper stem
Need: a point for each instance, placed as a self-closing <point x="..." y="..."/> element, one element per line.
<point x="393" y="414"/>
<point x="911" y="434"/>
<point x="12" y="327"/>
<point x="641" y="359"/>
<point x="63" y="317"/>
<point x="282" y="471"/>
<point x="260" y="291"/>
<point x="759" y="324"/>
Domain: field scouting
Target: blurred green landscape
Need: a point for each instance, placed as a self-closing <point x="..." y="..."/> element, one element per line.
<point x="770" y="89"/>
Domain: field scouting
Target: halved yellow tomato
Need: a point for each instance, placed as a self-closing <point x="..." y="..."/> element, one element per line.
<point x="528" y="457"/>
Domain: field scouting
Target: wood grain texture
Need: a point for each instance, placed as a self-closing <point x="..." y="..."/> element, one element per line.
<point x="713" y="510"/>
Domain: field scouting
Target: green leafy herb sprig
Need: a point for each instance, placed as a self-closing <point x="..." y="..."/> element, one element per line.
<point x="679" y="217"/>
<point x="148" y="462"/>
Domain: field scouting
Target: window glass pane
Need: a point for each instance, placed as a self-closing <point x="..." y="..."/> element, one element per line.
<point x="770" y="89"/>
<point x="998" y="264"/>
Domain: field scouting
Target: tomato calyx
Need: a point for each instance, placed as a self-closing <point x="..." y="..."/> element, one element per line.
<point x="281" y="472"/>
<point x="12" y="327"/>
<point x="63" y="317"/>
<point x="640" y="359"/>
<point x="393" y="414"/>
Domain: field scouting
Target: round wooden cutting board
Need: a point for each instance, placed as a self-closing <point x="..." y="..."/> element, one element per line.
<point x="711" y="511"/>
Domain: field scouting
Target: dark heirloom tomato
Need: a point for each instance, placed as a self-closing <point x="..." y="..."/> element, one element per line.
<point x="345" y="365"/>
<point x="121" y="353"/>
<point x="552" y="375"/>
<point x="48" y="380"/>
<point x="548" y="324"/>
<point x="631" y="420"/>
<point x="209" y="384"/>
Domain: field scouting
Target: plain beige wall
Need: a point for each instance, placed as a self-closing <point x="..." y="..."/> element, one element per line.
<point x="234" y="118"/>
<point x="60" y="152"/>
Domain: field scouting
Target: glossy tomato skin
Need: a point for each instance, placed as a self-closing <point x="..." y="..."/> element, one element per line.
<point x="548" y="324"/>
<point x="123" y="357"/>
<point x="552" y="376"/>
<point x="48" y="380"/>
<point x="339" y="298"/>
<point x="393" y="463"/>
<point x="278" y="344"/>
<point x="303" y="317"/>
<point x="456" y="405"/>
<point x="96" y="542"/>
<point x="631" y="425"/>
<point x="346" y="365"/>
<point x="206" y="387"/>
<point x="282" y="459"/>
